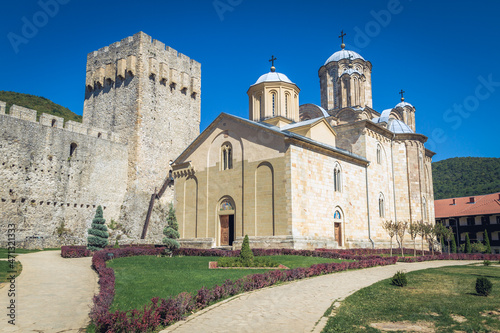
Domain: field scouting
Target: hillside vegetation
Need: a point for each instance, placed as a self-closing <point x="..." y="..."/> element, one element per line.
<point x="464" y="176"/>
<point x="40" y="104"/>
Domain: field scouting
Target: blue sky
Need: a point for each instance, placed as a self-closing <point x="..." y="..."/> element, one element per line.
<point x="444" y="54"/>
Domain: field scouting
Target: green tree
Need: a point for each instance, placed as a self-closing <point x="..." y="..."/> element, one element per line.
<point x="468" y="247"/>
<point x="391" y="230"/>
<point x="171" y="231"/>
<point x="98" y="233"/>
<point x="413" y="231"/>
<point x="487" y="241"/>
<point x="246" y="253"/>
<point x="453" y="245"/>
<point x="448" y="235"/>
<point x="400" y="233"/>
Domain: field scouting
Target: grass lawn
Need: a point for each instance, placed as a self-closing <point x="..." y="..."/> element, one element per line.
<point x="138" y="279"/>
<point x="5" y="268"/>
<point x="4" y="252"/>
<point x="432" y="295"/>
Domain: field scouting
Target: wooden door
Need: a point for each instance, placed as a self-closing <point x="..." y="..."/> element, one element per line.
<point x="224" y="229"/>
<point x="338" y="234"/>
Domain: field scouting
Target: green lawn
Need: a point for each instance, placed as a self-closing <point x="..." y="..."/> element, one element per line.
<point x="138" y="279"/>
<point x="5" y="268"/>
<point x="432" y="295"/>
<point x="4" y="252"/>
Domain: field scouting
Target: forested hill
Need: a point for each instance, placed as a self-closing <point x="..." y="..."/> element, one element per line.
<point x="464" y="176"/>
<point x="40" y="104"/>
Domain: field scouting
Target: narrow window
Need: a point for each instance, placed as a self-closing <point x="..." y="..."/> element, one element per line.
<point x="260" y="108"/>
<point x="381" y="208"/>
<point x="226" y="156"/>
<point x="274" y="102"/>
<point x="337" y="179"/>
<point x="54" y="123"/>
<point x="470" y="221"/>
<point x="424" y="208"/>
<point x="72" y="149"/>
<point x="287" y="96"/>
<point x="379" y="154"/>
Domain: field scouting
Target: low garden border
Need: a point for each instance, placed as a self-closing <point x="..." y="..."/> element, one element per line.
<point x="164" y="312"/>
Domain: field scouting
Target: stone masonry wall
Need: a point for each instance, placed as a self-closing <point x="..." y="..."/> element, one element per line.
<point x="43" y="186"/>
<point x="149" y="94"/>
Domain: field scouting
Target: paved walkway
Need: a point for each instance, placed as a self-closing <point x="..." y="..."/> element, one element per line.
<point x="293" y="307"/>
<point x="53" y="294"/>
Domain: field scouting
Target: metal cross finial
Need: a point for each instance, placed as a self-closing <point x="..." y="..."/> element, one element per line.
<point x="402" y="93"/>
<point x="342" y="34"/>
<point x="272" y="60"/>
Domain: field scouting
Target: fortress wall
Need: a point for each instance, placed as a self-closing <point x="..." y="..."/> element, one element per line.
<point x="42" y="186"/>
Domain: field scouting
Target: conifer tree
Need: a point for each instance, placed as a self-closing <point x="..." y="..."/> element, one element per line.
<point x="468" y="247"/>
<point x="171" y="231"/>
<point x="487" y="242"/>
<point x="453" y="245"/>
<point x="98" y="233"/>
<point x="246" y="253"/>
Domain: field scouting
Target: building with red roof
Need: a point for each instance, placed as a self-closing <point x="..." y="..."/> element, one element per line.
<point x="474" y="215"/>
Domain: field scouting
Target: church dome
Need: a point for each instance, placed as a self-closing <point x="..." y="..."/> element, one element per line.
<point x="402" y="105"/>
<point x="344" y="54"/>
<point x="393" y="125"/>
<point x="273" y="77"/>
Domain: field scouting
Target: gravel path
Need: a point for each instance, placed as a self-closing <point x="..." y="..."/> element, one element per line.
<point x="292" y="307"/>
<point x="53" y="294"/>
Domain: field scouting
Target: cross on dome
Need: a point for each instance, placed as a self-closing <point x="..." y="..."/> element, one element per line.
<point x="402" y="93"/>
<point x="272" y="63"/>
<point x="342" y="34"/>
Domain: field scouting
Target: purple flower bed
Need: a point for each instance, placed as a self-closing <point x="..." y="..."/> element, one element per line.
<point x="164" y="312"/>
<point x="75" y="252"/>
<point x="453" y="256"/>
<point x="167" y="311"/>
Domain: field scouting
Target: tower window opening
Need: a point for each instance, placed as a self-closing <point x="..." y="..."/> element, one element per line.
<point x="274" y="103"/>
<point x="54" y="123"/>
<point x="72" y="149"/>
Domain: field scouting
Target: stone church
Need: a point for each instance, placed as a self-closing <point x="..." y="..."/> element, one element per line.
<point x="305" y="176"/>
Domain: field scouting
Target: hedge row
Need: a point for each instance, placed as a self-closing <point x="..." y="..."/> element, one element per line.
<point x="164" y="312"/>
<point x="453" y="256"/>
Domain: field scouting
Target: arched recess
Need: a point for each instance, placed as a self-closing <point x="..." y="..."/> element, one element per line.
<point x="264" y="200"/>
<point x="381" y="205"/>
<point x="225" y="222"/>
<point x="190" y="220"/>
<point x="337" y="177"/>
<point x="339" y="226"/>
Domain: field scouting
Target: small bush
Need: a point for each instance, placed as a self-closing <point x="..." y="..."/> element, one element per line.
<point x="246" y="254"/>
<point x="486" y="263"/>
<point x="483" y="286"/>
<point x="399" y="279"/>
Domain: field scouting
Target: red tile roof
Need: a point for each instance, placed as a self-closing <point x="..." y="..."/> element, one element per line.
<point x="481" y="205"/>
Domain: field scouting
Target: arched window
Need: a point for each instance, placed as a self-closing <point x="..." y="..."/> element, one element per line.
<point x="424" y="208"/>
<point x="379" y="154"/>
<point x="337" y="215"/>
<point x="273" y="98"/>
<point x="72" y="149"/>
<point x="337" y="178"/>
<point x="381" y="207"/>
<point x="287" y="97"/>
<point x="54" y="123"/>
<point x="226" y="156"/>
<point x="261" y="109"/>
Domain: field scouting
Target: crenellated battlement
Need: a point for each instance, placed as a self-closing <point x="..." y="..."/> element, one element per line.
<point x="49" y="120"/>
<point x="140" y="54"/>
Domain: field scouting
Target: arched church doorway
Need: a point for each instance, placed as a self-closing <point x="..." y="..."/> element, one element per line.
<point x="226" y="220"/>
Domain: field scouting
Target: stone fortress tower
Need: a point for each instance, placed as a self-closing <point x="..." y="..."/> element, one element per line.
<point x="141" y="109"/>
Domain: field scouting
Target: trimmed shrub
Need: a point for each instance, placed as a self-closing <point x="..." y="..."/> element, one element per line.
<point x="399" y="279"/>
<point x="483" y="286"/>
<point x="171" y="231"/>
<point x="75" y="252"/>
<point x="98" y="233"/>
<point x="453" y="245"/>
<point x="486" y="263"/>
<point x="246" y="254"/>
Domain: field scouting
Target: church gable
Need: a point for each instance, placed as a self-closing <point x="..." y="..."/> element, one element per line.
<point x="316" y="129"/>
